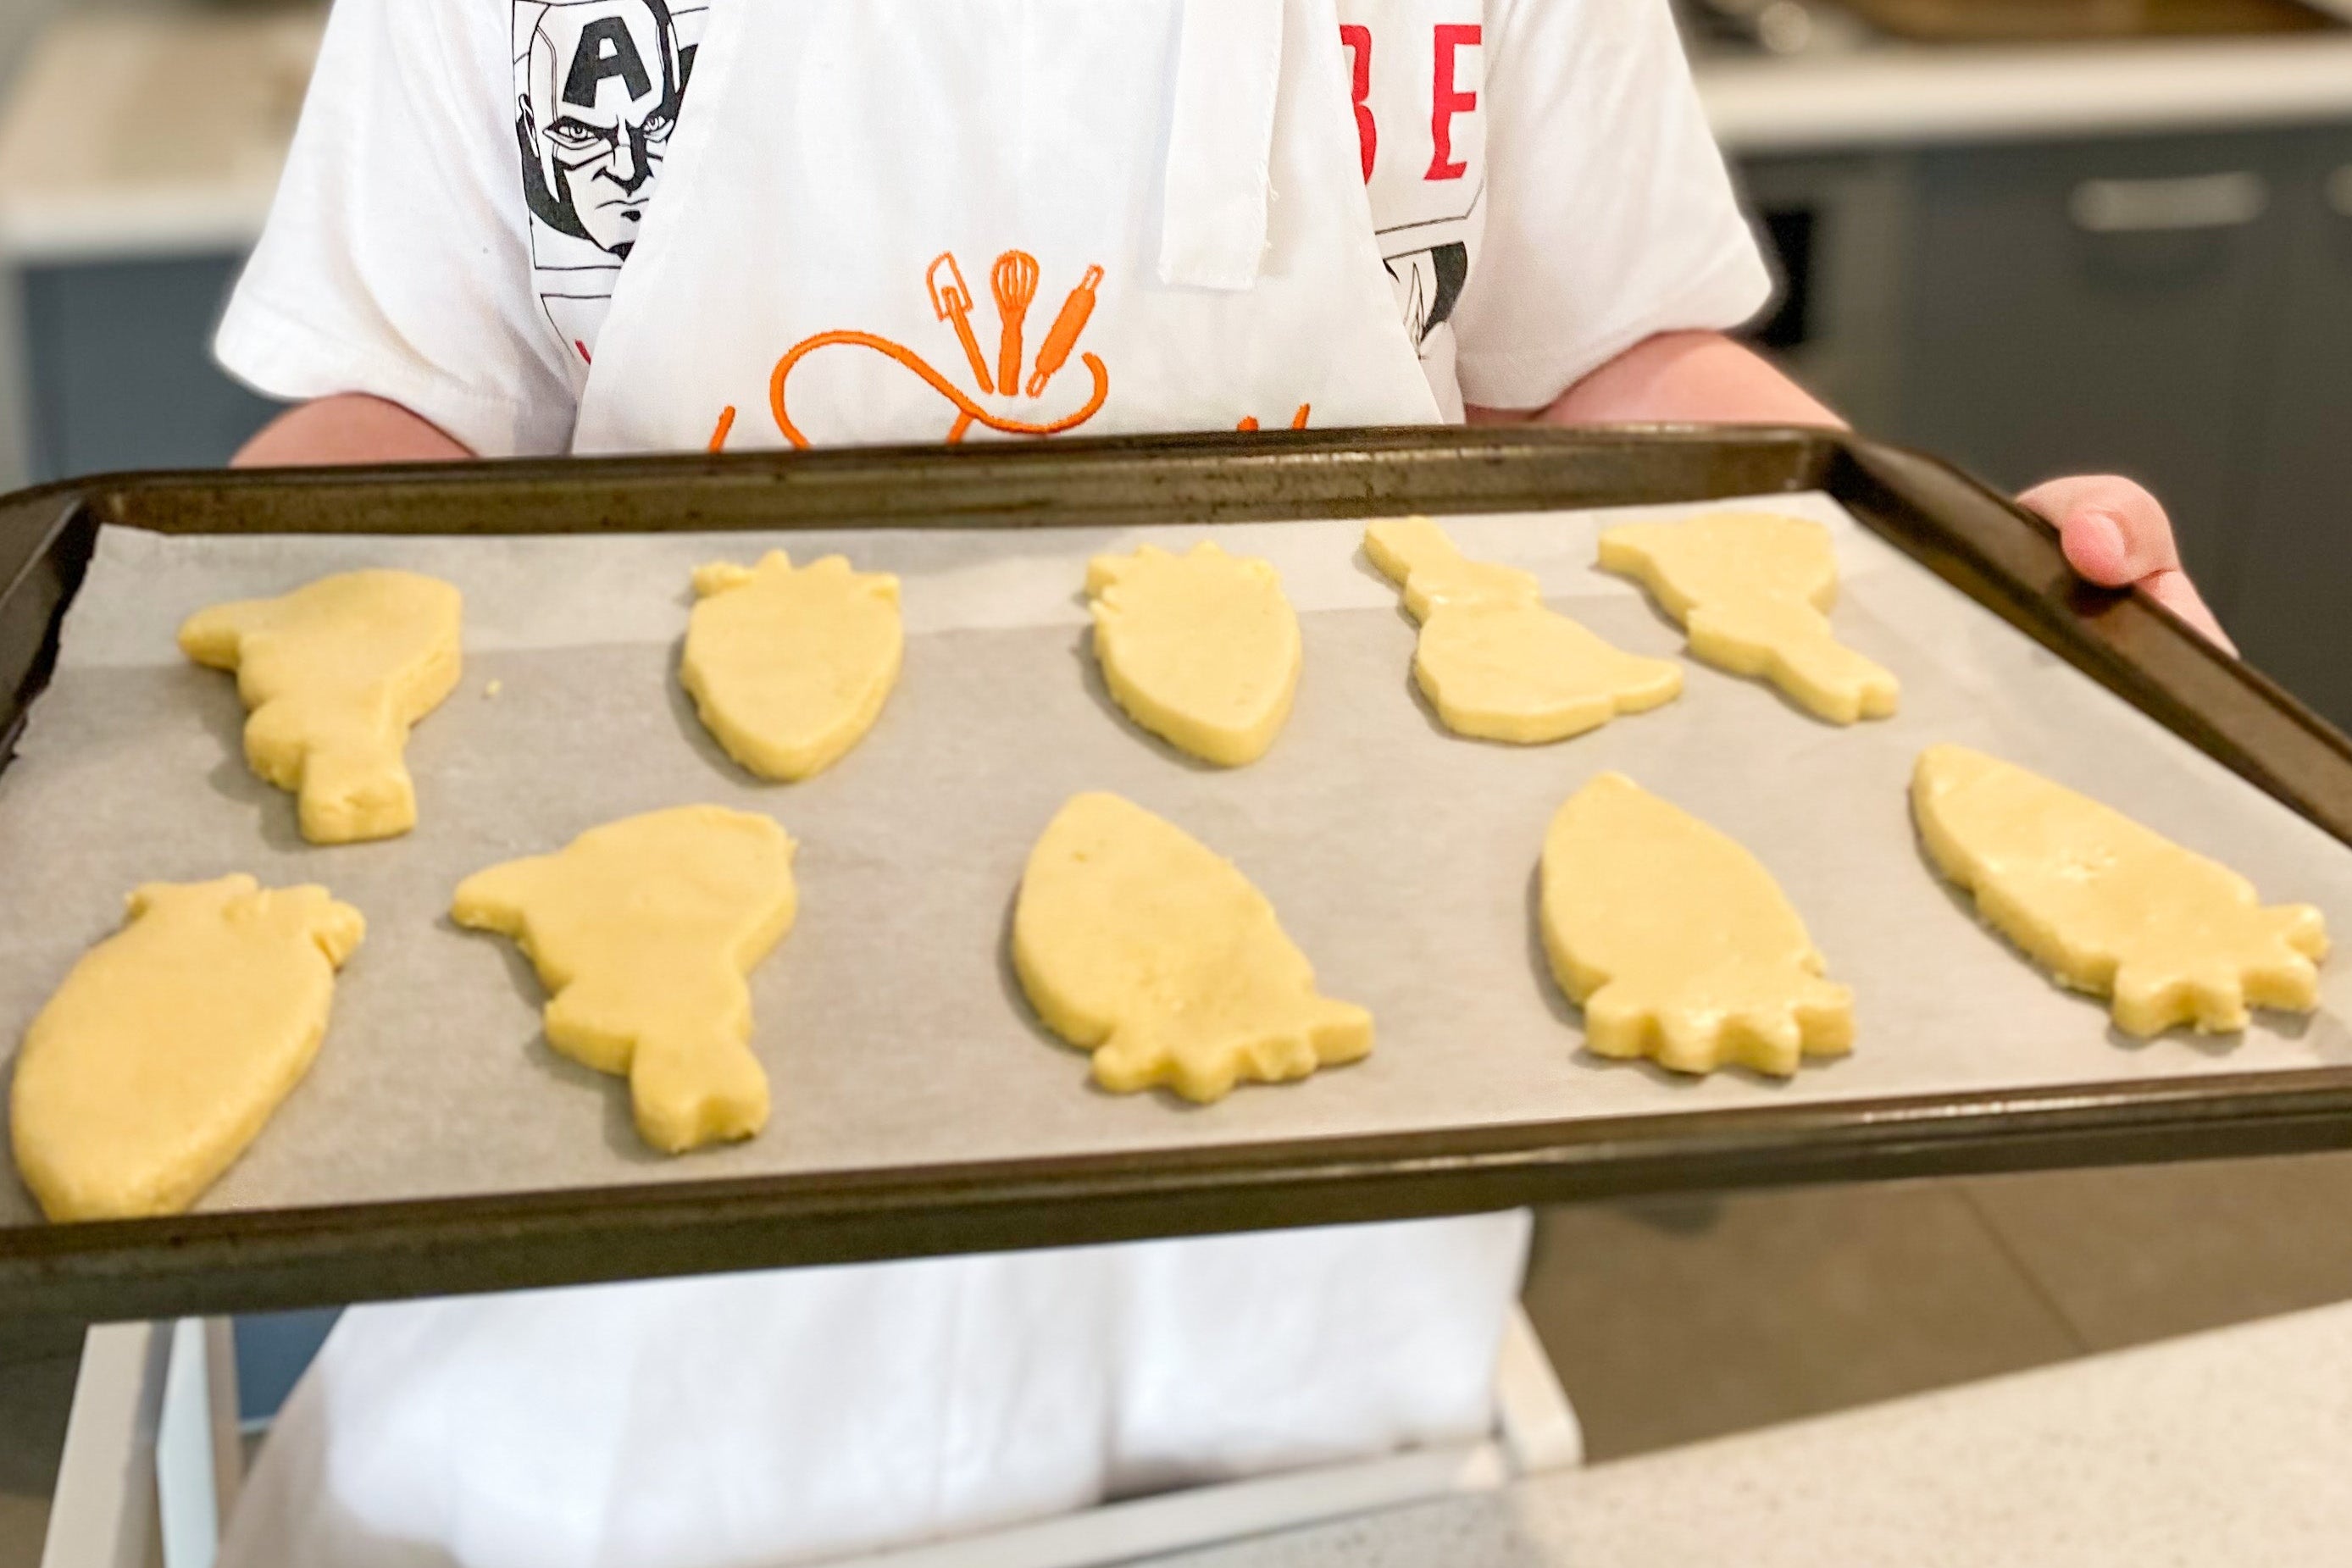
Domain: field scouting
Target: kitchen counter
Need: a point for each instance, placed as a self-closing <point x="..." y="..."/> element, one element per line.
<point x="162" y="133"/>
<point x="1909" y="96"/>
<point x="132" y="133"/>
<point x="2223" y="1447"/>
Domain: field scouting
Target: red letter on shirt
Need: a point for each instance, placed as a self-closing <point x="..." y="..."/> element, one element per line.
<point x="1446" y="100"/>
<point x="1357" y="42"/>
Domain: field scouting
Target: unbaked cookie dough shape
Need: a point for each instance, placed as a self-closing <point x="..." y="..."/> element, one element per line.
<point x="1202" y="649"/>
<point x="171" y="1042"/>
<point x="790" y="666"/>
<point x="643" y="932"/>
<point x="1676" y="944"/>
<point x="1492" y="660"/>
<point x="335" y="674"/>
<point x="2108" y="906"/>
<point x="1752" y="590"/>
<point x="1135" y="941"/>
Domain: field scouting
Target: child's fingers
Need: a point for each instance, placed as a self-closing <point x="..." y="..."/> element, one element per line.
<point x="2174" y="591"/>
<point x="2114" y="532"/>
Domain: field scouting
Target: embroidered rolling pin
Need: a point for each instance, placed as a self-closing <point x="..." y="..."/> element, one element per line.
<point x="1063" y="336"/>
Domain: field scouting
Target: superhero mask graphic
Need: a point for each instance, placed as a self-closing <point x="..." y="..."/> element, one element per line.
<point x="600" y="83"/>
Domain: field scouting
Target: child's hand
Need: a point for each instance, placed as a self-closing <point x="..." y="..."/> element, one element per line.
<point x="2115" y="534"/>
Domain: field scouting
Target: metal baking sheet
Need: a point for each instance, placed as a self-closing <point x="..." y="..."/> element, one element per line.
<point x="1401" y="858"/>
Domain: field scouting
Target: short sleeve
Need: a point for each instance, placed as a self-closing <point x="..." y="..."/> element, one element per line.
<point x="1609" y="215"/>
<point x="396" y="258"/>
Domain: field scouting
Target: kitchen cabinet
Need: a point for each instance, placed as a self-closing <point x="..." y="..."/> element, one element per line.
<point x="1836" y="229"/>
<point x="119" y="366"/>
<point x="2294" y="587"/>
<point x="2106" y="306"/>
<point x="2175" y="309"/>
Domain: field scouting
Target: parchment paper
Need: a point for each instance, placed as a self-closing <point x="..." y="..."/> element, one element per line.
<point x="1402" y="859"/>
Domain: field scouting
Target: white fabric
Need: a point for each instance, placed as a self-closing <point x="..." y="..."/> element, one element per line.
<point x="788" y="1417"/>
<point x="610" y="225"/>
<point x="771" y="235"/>
<point x="1213" y="218"/>
<point x="1579" y="206"/>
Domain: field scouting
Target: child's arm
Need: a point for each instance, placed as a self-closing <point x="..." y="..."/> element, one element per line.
<point x="1701" y="378"/>
<point x="397" y="262"/>
<point x="351" y="427"/>
<point x="2112" y="531"/>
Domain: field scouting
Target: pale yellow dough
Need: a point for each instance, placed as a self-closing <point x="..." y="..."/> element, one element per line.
<point x="1496" y="664"/>
<point x="643" y="931"/>
<point x="1201" y="649"/>
<point x="171" y="1042"/>
<point x="2108" y="906"/>
<point x="1137" y="942"/>
<point x="335" y="674"/>
<point x="1677" y="944"/>
<point x="1753" y="591"/>
<point x="790" y="667"/>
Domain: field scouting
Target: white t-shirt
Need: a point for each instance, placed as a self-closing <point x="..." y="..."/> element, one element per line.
<point x="468" y="177"/>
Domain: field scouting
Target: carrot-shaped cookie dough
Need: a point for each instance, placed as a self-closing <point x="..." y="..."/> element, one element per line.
<point x="643" y="931"/>
<point x="789" y="667"/>
<point x="335" y="674"/>
<point x="1677" y="944"/>
<point x="1753" y="591"/>
<point x="2108" y="906"/>
<point x="1201" y="649"/>
<point x="1141" y="945"/>
<point x="1496" y="664"/>
<point x="171" y="1042"/>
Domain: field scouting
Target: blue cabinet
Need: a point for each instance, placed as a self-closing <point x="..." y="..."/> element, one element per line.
<point x="120" y="369"/>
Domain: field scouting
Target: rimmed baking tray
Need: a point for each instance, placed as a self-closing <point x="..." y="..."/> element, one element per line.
<point x="254" y="1259"/>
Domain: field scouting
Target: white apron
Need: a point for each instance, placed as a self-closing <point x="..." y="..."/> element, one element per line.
<point x="860" y="192"/>
<point x="1168" y="196"/>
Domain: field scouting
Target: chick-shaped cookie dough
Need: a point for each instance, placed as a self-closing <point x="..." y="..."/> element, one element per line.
<point x="790" y="666"/>
<point x="1753" y="591"/>
<point x="1201" y="649"/>
<point x="1492" y="660"/>
<point x="643" y="931"/>
<point x="1135" y="941"/>
<point x="1677" y="944"/>
<point x="171" y="1043"/>
<point x="335" y="674"/>
<point x="2108" y="906"/>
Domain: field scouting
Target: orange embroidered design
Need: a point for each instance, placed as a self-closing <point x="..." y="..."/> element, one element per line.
<point x="1012" y="281"/>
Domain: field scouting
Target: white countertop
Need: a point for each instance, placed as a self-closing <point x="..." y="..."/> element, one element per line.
<point x="136" y="133"/>
<point x="148" y="133"/>
<point x="2230" y="1448"/>
<point x="1910" y="96"/>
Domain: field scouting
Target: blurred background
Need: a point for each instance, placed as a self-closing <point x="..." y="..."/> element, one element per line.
<point x="2038" y="237"/>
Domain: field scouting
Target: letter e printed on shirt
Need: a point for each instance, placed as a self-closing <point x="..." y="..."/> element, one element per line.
<point x="1417" y="73"/>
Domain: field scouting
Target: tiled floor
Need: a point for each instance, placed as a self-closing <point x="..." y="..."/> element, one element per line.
<point x="1673" y="1320"/>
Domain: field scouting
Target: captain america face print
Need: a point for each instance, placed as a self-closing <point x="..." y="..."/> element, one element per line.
<point x="602" y="82"/>
<point x="599" y="85"/>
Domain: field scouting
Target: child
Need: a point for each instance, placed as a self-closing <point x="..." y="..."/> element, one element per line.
<point x="601" y="226"/>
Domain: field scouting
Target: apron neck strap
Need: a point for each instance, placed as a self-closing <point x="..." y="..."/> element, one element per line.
<point x="1212" y="221"/>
